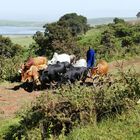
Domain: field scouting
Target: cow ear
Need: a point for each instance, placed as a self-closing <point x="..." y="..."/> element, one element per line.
<point x="55" y="54"/>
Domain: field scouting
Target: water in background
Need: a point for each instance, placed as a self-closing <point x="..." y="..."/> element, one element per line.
<point x="14" y="30"/>
<point x="30" y="28"/>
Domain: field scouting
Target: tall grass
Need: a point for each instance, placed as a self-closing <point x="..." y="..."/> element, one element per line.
<point x="22" y="40"/>
<point x="123" y="127"/>
<point x="59" y="112"/>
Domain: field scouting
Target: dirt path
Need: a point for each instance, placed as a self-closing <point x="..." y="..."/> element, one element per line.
<point x="12" y="100"/>
<point x="125" y="64"/>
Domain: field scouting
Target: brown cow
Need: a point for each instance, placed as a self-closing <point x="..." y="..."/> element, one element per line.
<point x="31" y="75"/>
<point x="100" y="69"/>
<point x="40" y="62"/>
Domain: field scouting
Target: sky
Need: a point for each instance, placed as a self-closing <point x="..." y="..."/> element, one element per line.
<point x="52" y="10"/>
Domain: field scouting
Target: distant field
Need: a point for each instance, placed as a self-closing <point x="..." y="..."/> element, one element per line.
<point x="24" y="40"/>
<point x="106" y="20"/>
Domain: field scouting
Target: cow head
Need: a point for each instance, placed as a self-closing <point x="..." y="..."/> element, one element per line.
<point x="30" y="75"/>
<point x="26" y="76"/>
<point x="72" y="59"/>
<point x="94" y="71"/>
<point x="52" y="61"/>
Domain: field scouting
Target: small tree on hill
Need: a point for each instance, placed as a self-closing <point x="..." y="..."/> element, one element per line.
<point x="118" y="20"/>
<point x="138" y="15"/>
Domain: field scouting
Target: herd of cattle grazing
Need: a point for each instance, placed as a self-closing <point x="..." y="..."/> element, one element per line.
<point x="61" y="69"/>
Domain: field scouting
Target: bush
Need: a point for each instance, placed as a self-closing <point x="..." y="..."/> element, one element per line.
<point x="8" y="49"/>
<point x="9" y="68"/>
<point x="55" y="114"/>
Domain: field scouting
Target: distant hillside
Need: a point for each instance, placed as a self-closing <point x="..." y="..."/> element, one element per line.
<point x="21" y="23"/>
<point x="93" y="22"/>
<point x="133" y="22"/>
<point x="106" y="20"/>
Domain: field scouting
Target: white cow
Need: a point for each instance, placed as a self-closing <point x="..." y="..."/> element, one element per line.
<point x="80" y="63"/>
<point x="61" y="58"/>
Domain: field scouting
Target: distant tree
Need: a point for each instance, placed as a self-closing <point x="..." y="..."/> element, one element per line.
<point x="108" y="39"/>
<point x="77" y="24"/>
<point x="118" y="20"/>
<point x="138" y="15"/>
<point x="42" y="44"/>
<point x="8" y="49"/>
<point x="123" y="30"/>
<point x="127" y="41"/>
<point x="61" y="36"/>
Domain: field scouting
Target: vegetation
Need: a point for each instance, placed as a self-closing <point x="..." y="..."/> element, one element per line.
<point x="9" y="58"/>
<point x="61" y="36"/>
<point x="138" y="15"/>
<point x="22" y="40"/>
<point x="114" y="41"/>
<point x="55" y="115"/>
<point x="64" y="113"/>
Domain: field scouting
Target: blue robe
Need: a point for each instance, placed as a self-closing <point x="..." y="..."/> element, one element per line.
<point x="90" y="58"/>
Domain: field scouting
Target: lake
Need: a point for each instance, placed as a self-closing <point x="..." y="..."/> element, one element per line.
<point x="16" y="30"/>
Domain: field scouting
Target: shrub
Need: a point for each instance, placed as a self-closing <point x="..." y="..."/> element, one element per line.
<point x="55" y="114"/>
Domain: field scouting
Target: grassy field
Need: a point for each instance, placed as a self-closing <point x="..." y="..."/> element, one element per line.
<point x="122" y="127"/>
<point x="23" y="40"/>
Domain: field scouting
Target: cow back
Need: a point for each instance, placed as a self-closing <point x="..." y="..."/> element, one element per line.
<point x="101" y="68"/>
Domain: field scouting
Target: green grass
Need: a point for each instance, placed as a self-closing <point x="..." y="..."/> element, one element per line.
<point x="124" y="127"/>
<point x="91" y="38"/>
<point x="5" y="124"/>
<point x="22" y="40"/>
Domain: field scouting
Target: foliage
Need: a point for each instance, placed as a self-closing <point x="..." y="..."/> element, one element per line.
<point x="113" y="41"/>
<point x="76" y="24"/>
<point x="61" y="36"/>
<point x="8" y="49"/>
<point x="118" y="20"/>
<point x="10" y="58"/>
<point x="55" y="114"/>
<point x="124" y="126"/>
<point x="22" y="40"/>
<point x="9" y="68"/>
<point x="138" y="15"/>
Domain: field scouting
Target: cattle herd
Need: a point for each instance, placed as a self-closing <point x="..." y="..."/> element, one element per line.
<point x="61" y="69"/>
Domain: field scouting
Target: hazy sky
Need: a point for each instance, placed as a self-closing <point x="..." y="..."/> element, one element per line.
<point x="52" y="10"/>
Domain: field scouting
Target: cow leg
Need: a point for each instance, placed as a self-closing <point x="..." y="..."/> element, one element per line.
<point x="51" y="85"/>
<point x="69" y="83"/>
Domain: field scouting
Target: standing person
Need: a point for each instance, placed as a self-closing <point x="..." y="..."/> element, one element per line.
<point x="90" y="58"/>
